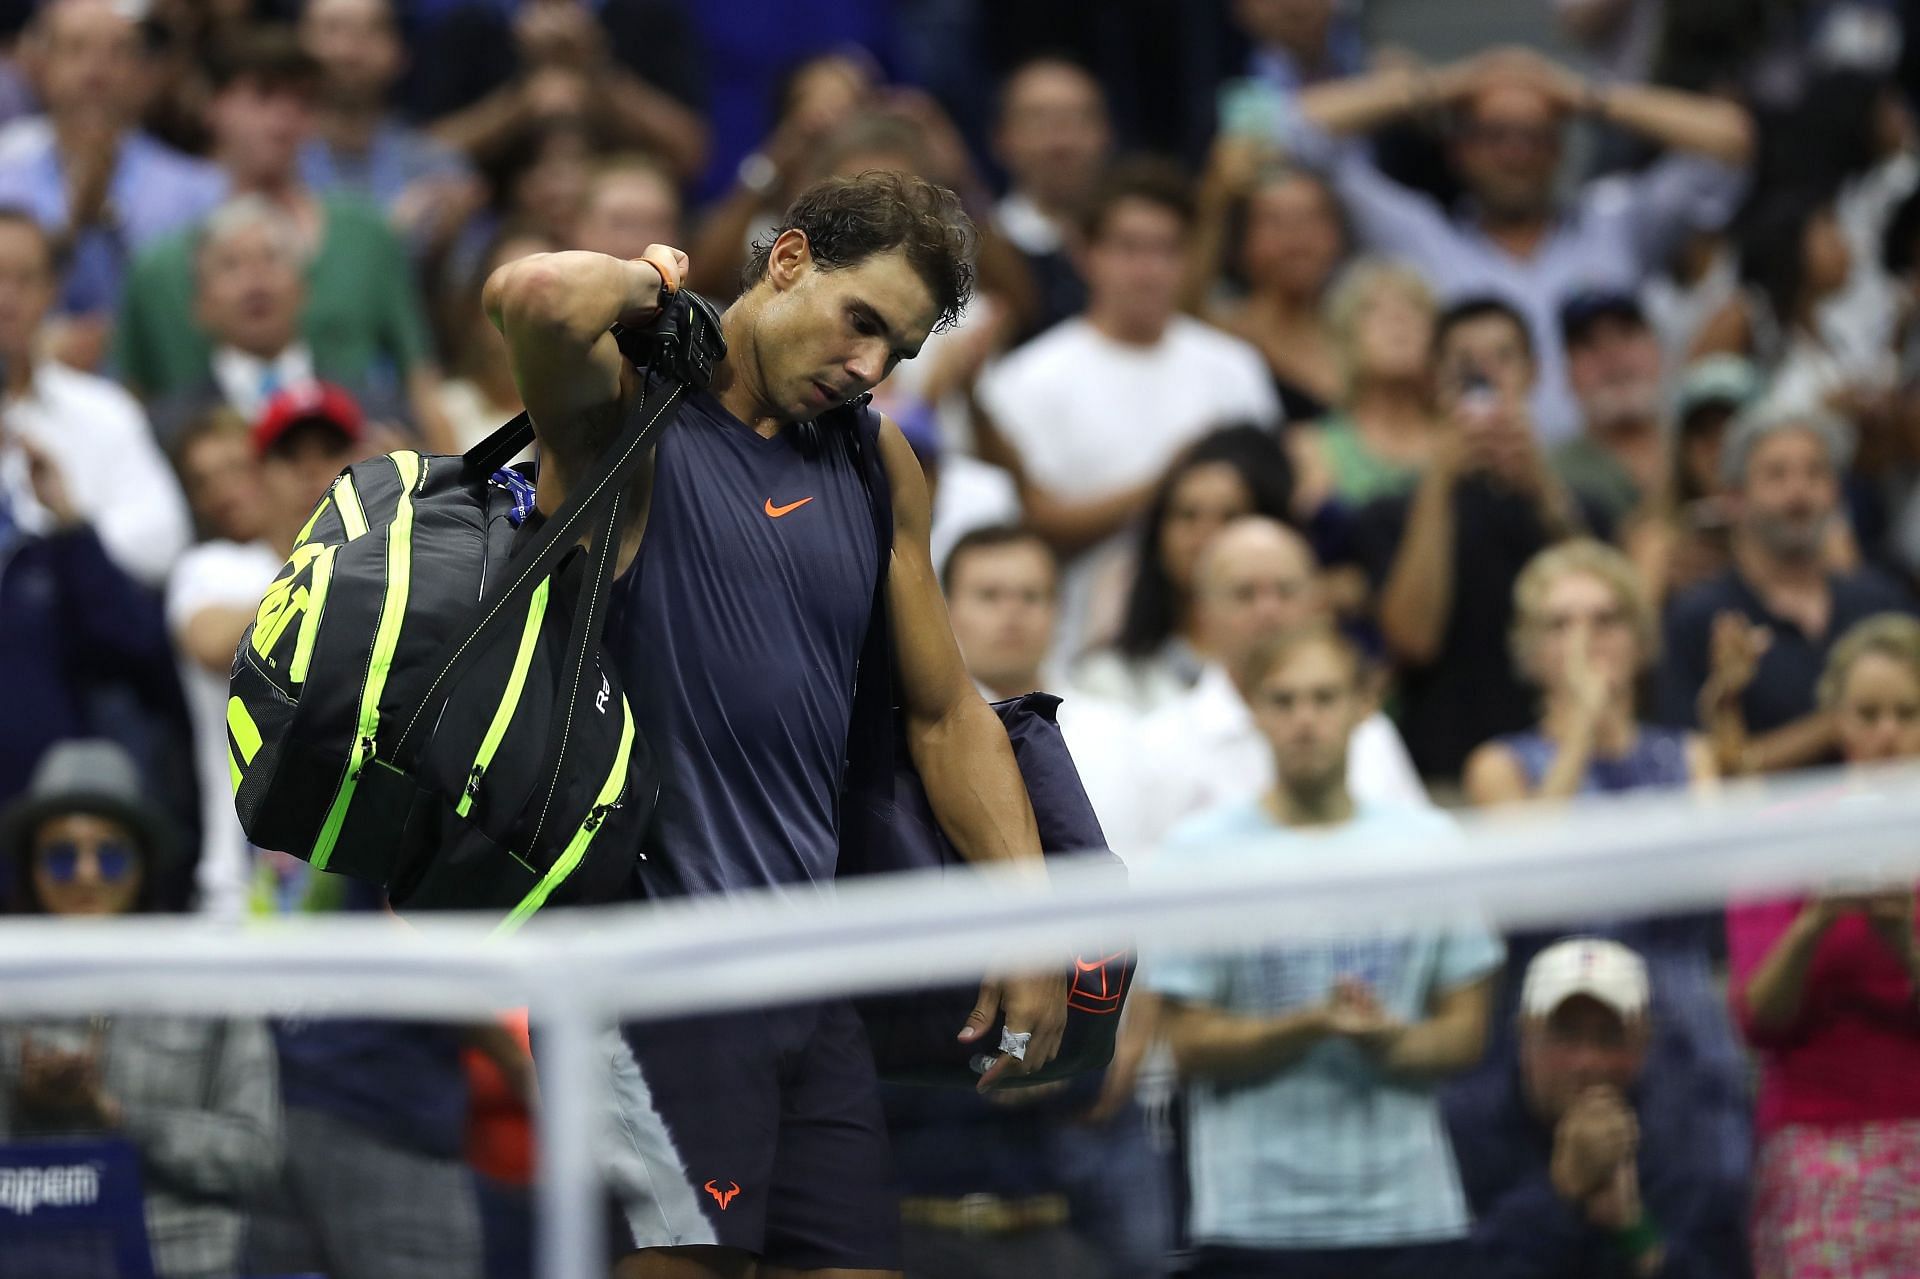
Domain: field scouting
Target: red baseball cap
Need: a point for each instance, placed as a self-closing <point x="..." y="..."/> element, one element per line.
<point x="307" y="402"/>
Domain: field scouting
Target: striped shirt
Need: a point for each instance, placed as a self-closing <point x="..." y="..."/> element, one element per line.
<point x="1327" y="1152"/>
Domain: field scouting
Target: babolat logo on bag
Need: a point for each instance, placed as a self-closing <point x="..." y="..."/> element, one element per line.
<point x="414" y="704"/>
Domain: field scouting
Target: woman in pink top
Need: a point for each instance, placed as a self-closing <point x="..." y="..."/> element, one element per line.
<point x="1825" y="989"/>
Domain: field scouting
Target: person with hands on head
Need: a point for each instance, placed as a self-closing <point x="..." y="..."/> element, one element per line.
<point x="755" y="494"/>
<point x="1827" y="989"/>
<point x="1586" y="1157"/>
<point x="1510" y="108"/>
<point x="1316" y="1146"/>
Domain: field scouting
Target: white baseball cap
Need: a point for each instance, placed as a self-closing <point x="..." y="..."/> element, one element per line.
<point x="1591" y="966"/>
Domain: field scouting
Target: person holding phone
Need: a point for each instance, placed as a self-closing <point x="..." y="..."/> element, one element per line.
<point x="1827" y="989"/>
<point x="1444" y="558"/>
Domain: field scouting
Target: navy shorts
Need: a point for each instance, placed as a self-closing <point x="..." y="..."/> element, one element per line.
<point x="757" y="1131"/>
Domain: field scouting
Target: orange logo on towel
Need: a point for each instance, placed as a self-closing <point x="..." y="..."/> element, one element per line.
<point x="723" y="1197"/>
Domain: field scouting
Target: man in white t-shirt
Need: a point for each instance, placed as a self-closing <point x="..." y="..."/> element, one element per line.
<point x="1256" y="580"/>
<point x="302" y="440"/>
<point x="1094" y="409"/>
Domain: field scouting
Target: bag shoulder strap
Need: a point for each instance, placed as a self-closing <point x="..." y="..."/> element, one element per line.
<point x="540" y="556"/>
<point x="870" y="748"/>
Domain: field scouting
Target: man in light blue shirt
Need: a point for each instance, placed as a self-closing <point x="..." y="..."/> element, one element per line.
<point x="1317" y="1145"/>
<point x="1513" y="238"/>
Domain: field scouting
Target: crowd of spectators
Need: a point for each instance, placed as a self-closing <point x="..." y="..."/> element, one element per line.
<point x="1346" y="435"/>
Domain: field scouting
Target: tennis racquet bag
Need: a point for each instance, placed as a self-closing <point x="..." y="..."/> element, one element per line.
<point x="422" y="700"/>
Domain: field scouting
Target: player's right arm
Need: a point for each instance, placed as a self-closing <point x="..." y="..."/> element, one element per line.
<point x="555" y="310"/>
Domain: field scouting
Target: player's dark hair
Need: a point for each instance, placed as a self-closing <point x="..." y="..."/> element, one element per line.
<point x="1484" y="306"/>
<point x="848" y="220"/>
<point x="991" y="538"/>
<point x="1145" y="178"/>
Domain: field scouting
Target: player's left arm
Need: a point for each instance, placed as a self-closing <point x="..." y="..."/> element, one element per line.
<point x="961" y="750"/>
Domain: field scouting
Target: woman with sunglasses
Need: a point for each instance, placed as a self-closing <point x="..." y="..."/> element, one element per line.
<point x="197" y="1100"/>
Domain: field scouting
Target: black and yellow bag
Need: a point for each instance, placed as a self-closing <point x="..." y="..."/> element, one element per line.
<point x="422" y="700"/>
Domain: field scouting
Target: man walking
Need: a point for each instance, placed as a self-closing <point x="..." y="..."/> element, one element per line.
<point x="746" y="598"/>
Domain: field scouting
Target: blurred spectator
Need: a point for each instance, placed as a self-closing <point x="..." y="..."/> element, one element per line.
<point x="629" y="69"/>
<point x="1581" y="1161"/>
<point x="1794" y="259"/>
<point x="500" y="1148"/>
<point x="101" y="187"/>
<point x="359" y="145"/>
<point x="1161" y="648"/>
<point x="302" y="439"/>
<point x="1052" y="139"/>
<point x="1780" y="602"/>
<point x="1617" y="462"/>
<point x="91" y="435"/>
<point x="1255" y="581"/>
<point x="1002" y="585"/>
<point x="1681" y="539"/>
<point x="249" y="290"/>
<point x="362" y="319"/>
<point x="1825" y="988"/>
<point x="221" y="476"/>
<point x="481" y="396"/>
<point x="815" y="99"/>
<point x="1444" y="558"/>
<point x="374" y="1185"/>
<point x="1283" y="231"/>
<point x="631" y="202"/>
<point x="1113" y="1213"/>
<point x="1300" y="42"/>
<point x="1583" y="634"/>
<point x="197" y="1100"/>
<point x="71" y="621"/>
<point x="1091" y="411"/>
<point x="1381" y="430"/>
<point x="1514" y="239"/>
<point x="1619" y="37"/>
<point x="539" y="178"/>
<point x="1316" y="1145"/>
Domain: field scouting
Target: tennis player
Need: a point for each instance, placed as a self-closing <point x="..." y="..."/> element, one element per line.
<point x="754" y="1144"/>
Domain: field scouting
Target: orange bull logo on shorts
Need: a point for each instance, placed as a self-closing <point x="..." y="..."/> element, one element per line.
<point x="723" y="1197"/>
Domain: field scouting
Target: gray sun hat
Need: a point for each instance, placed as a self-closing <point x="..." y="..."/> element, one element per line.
<point x="91" y="776"/>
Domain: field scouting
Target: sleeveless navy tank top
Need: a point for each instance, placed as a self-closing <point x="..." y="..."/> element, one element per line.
<point x="738" y="629"/>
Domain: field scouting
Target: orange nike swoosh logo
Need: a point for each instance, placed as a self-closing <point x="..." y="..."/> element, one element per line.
<point x="777" y="511"/>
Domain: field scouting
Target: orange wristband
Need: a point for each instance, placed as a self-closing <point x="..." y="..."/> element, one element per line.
<point x="669" y="270"/>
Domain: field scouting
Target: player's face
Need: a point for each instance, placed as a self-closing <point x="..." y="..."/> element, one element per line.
<point x="1307" y="708"/>
<point x="829" y="335"/>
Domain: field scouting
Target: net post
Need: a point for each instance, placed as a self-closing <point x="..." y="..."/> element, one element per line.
<point x="569" y="1232"/>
